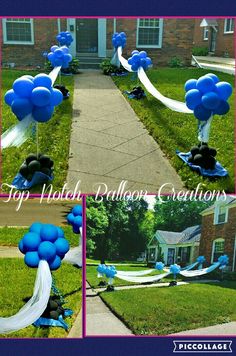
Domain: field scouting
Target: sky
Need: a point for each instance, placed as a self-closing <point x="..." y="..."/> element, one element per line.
<point x="151" y="201"/>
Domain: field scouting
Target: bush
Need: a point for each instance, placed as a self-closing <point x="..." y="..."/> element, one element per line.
<point x="72" y="69"/>
<point x="200" y="51"/>
<point x="108" y="68"/>
<point x="175" y="62"/>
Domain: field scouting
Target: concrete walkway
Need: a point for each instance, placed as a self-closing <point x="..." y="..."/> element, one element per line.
<point x="220" y="64"/>
<point x="99" y="319"/>
<point x="10" y="252"/>
<point x="76" y="330"/>
<point x="109" y="143"/>
<point x="221" y="329"/>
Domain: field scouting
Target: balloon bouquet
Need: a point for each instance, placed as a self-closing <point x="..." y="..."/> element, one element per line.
<point x="207" y="97"/>
<point x="44" y="247"/>
<point x="33" y="100"/>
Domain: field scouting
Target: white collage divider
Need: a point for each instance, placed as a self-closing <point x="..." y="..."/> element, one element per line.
<point x="74" y="255"/>
<point x="172" y="104"/>
<point x="16" y="135"/>
<point x="35" y="307"/>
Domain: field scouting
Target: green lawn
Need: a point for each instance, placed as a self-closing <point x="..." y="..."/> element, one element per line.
<point x="93" y="280"/>
<point x="173" y="130"/>
<point x="162" y="311"/>
<point x="17" y="282"/>
<point x="10" y="236"/>
<point x="54" y="136"/>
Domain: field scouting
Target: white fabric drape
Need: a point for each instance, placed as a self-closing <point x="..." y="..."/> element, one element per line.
<point x="200" y="272"/>
<point x="172" y="104"/>
<point x="148" y="279"/>
<point x="204" y="130"/>
<point x="135" y="273"/>
<point x="35" y="307"/>
<point x="16" y="135"/>
<point x="74" y="255"/>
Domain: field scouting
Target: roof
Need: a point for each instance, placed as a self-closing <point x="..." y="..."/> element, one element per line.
<point x="230" y="200"/>
<point x="208" y="22"/>
<point x="191" y="234"/>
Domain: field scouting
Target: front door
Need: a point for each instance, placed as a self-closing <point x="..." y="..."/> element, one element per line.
<point x="171" y="256"/>
<point x="213" y="40"/>
<point x="86" y="35"/>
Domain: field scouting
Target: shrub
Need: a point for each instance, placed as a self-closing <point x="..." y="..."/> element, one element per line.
<point x="108" y="68"/>
<point x="72" y="69"/>
<point x="175" y="62"/>
<point x="200" y="51"/>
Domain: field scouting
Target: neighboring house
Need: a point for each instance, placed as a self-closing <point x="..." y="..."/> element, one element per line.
<point x="175" y="247"/>
<point x="217" y="35"/>
<point x="218" y="234"/>
<point x="24" y="40"/>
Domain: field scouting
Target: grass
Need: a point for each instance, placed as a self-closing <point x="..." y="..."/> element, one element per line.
<point x="162" y="311"/>
<point x="173" y="130"/>
<point x="54" y="136"/>
<point x="93" y="280"/>
<point x="17" y="283"/>
<point x="10" y="236"/>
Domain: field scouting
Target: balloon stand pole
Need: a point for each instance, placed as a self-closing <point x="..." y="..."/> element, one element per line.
<point x="37" y="139"/>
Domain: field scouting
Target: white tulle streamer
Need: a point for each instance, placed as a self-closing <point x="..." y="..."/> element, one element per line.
<point x="74" y="255"/>
<point x="204" y="130"/>
<point x="135" y="273"/>
<point x="115" y="60"/>
<point x="35" y="307"/>
<point x="17" y="134"/>
<point x="172" y="104"/>
<point x="148" y="279"/>
<point x="200" y="272"/>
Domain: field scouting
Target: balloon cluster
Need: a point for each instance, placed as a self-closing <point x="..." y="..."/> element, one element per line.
<point x="75" y="218"/>
<point x="64" y="38"/>
<point x="207" y="96"/>
<point x="107" y="271"/>
<point x="44" y="242"/>
<point x="139" y="59"/>
<point x="201" y="259"/>
<point x="159" y="266"/>
<point x="59" y="56"/>
<point x="36" y="163"/>
<point x="119" y="39"/>
<point x="203" y="156"/>
<point x="175" y="269"/>
<point x="35" y="96"/>
<point x="54" y="309"/>
<point x="224" y="261"/>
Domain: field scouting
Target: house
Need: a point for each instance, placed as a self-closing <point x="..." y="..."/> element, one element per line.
<point x="175" y="247"/>
<point x="24" y="40"/>
<point x="217" y="35"/>
<point x="218" y="235"/>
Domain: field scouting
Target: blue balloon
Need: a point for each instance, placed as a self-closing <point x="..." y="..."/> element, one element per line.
<point x="56" y="97"/>
<point x="62" y="246"/>
<point x="55" y="264"/>
<point x="214" y="77"/>
<point x="60" y="232"/>
<point x="134" y="52"/>
<point x="224" y="90"/>
<point x="31" y="241"/>
<point x="21" y="246"/>
<point x="49" y="232"/>
<point x="175" y="269"/>
<point x="210" y="100"/>
<point x="205" y="84"/>
<point x="53" y="48"/>
<point x="21" y="107"/>
<point x="47" y="251"/>
<point x="143" y="54"/>
<point x="70" y="218"/>
<point x="65" y="49"/>
<point x="36" y="227"/>
<point x="222" y="108"/>
<point x="41" y="96"/>
<point x="32" y="259"/>
<point x="159" y="266"/>
<point x="193" y="98"/>
<point x="130" y="61"/>
<point x="43" y="114"/>
<point x="10" y="96"/>
<point x="76" y="229"/>
<point x="190" y="84"/>
<point x="134" y="67"/>
<point x="135" y="58"/>
<point x="78" y="221"/>
<point x="23" y="87"/>
<point x="201" y="259"/>
<point x="77" y="210"/>
<point x="202" y="113"/>
<point x="43" y="80"/>
<point x="59" y="53"/>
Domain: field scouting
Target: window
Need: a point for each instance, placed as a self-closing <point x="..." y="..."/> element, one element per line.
<point x="149" y="33"/>
<point x="229" y="26"/>
<point x="221" y="215"/>
<point x="205" y="33"/>
<point x="151" y="254"/>
<point x="18" y="31"/>
<point x="217" y="249"/>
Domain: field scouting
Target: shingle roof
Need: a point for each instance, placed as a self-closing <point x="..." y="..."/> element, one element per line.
<point x="191" y="234"/>
<point x="230" y="200"/>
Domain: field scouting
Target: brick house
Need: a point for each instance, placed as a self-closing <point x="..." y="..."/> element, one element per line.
<point x="218" y="233"/>
<point x="217" y="35"/>
<point x="25" y="40"/>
